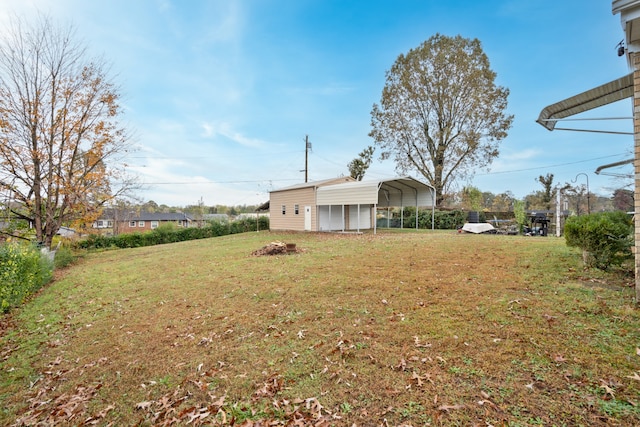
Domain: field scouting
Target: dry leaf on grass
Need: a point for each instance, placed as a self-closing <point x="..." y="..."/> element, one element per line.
<point x="635" y="376"/>
<point x="447" y="408"/>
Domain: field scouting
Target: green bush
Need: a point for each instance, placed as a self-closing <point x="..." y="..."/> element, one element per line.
<point x="64" y="257"/>
<point x="23" y="270"/>
<point x="443" y="220"/>
<point x="605" y="238"/>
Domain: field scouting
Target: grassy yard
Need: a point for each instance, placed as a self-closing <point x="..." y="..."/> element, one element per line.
<point x="419" y="328"/>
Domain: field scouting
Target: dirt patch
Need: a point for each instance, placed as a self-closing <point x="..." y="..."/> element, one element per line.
<point x="277" y="248"/>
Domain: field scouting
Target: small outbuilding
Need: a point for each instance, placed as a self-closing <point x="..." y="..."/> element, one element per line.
<point x="344" y="204"/>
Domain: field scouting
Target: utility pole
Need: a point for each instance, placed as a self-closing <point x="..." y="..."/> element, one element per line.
<point x="307" y="148"/>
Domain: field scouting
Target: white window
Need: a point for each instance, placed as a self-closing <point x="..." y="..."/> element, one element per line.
<point x="140" y="223"/>
<point x="154" y="224"/>
<point x="296" y="209"/>
<point x="284" y="209"/>
<point x="100" y="223"/>
<point x="109" y="223"/>
<point x="132" y="223"/>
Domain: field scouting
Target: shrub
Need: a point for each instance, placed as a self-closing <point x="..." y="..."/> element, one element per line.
<point x="23" y="270"/>
<point x="165" y="233"/>
<point x="520" y="215"/>
<point x="443" y="220"/>
<point x="604" y="237"/>
<point x="64" y="257"/>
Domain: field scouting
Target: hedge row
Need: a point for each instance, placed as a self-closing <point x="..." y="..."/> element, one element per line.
<point x="172" y="234"/>
<point x="443" y="220"/>
<point x="23" y="270"/>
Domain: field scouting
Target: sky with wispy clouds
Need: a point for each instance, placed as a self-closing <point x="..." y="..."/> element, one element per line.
<point x="220" y="94"/>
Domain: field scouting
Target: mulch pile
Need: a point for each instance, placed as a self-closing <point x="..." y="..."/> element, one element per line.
<point x="277" y="248"/>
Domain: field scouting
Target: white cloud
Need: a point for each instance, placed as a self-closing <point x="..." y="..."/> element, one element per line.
<point x="213" y="129"/>
<point x="527" y="154"/>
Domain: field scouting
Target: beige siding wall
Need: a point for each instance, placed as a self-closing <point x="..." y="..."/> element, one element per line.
<point x="289" y="198"/>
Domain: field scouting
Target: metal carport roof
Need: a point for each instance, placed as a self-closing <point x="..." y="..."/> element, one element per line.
<point x="405" y="191"/>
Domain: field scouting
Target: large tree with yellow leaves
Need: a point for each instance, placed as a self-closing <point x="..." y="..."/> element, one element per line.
<point x="61" y="144"/>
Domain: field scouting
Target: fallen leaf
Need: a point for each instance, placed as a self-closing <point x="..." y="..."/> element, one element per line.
<point x="416" y="341"/>
<point x="608" y="390"/>
<point x="144" y="405"/>
<point x="447" y="408"/>
<point x="417" y="377"/>
<point x="634" y="377"/>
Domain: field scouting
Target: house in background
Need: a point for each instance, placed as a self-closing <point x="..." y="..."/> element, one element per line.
<point x="344" y="204"/>
<point x="113" y="221"/>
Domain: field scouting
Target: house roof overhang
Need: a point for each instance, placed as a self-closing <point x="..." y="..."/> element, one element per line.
<point x="629" y="11"/>
<point x="607" y="93"/>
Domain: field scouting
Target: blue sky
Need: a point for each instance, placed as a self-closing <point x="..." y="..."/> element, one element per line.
<point x="220" y="94"/>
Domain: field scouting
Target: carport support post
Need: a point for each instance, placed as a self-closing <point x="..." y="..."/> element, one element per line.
<point x="416" y="208"/>
<point x="375" y="218"/>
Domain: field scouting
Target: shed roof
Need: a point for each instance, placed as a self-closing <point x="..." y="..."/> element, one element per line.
<point x="402" y="190"/>
<point x="321" y="183"/>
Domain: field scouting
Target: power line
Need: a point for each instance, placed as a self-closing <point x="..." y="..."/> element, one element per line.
<point x="550" y="166"/>
<point x="218" y="182"/>
<point x="209" y="157"/>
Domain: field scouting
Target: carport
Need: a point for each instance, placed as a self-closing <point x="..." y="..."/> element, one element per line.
<point x="353" y="205"/>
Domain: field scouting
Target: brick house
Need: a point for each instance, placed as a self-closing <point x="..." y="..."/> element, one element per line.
<point x="114" y="221"/>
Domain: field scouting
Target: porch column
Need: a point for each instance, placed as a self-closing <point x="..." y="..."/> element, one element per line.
<point x="636" y="165"/>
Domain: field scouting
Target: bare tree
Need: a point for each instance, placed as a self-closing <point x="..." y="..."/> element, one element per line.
<point x="60" y="139"/>
<point x="441" y="113"/>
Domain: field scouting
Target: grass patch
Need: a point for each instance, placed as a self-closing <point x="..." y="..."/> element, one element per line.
<point x="413" y="328"/>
